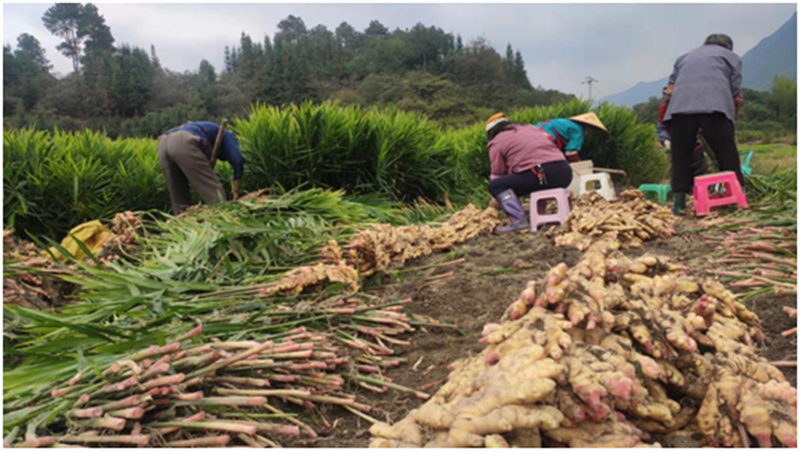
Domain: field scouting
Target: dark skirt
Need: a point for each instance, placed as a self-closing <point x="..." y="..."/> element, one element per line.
<point x="720" y="135"/>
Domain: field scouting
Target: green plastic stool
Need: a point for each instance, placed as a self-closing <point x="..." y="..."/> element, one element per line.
<point x="661" y="190"/>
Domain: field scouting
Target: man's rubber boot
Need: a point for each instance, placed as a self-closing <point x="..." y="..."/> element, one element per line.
<point x="680" y="203"/>
<point x="510" y="204"/>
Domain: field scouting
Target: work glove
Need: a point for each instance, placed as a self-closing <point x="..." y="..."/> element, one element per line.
<point x="668" y="145"/>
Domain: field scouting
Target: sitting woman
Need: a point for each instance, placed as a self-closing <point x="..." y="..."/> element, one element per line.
<point x="570" y="134"/>
<point x="524" y="159"/>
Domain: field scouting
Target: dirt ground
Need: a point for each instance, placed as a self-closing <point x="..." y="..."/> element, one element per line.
<point x="774" y="321"/>
<point x="495" y="270"/>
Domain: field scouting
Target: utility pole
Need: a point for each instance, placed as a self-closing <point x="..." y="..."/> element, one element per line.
<point x="589" y="80"/>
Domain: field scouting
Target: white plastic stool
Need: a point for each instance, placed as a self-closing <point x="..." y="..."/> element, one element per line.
<point x="538" y="207"/>
<point x="606" y="187"/>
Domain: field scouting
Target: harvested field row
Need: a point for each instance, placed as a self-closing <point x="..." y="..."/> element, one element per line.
<point x="454" y="293"/>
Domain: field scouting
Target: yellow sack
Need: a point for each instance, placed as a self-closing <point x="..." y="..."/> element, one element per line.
<point x="92" y="234"/>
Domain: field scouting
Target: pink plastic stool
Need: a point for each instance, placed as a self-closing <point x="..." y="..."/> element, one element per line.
<point x="538" y="205"/>
<point x="733" y="192"/>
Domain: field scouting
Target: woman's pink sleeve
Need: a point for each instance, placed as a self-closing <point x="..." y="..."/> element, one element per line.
<point x="498" y="161"/>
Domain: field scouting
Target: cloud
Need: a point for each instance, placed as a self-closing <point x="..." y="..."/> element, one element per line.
<point x="619" y="44"/>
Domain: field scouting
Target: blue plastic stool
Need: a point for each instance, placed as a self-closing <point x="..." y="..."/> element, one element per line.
<point x="660" y="190"/>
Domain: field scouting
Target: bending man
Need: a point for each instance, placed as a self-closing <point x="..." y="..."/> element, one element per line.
<point x="184" y="154"/>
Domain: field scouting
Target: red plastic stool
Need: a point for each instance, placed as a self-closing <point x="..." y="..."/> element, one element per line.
<point x="733" y="193"/>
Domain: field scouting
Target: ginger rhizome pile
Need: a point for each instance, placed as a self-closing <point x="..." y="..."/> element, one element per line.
<point x="125" y="228"/>
<point x="612" y="352"/>
<point x="299" y="279"/>
<point x="377" y="248"/>
<point x="29" y="276"/>
<point x="631" y="220"/>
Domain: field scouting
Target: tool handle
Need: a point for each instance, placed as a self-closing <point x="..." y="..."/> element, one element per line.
<point x="610" y="171"/>
<point x="222" y="126"/>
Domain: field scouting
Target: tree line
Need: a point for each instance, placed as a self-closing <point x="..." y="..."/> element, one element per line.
<point x="125" y="91"/>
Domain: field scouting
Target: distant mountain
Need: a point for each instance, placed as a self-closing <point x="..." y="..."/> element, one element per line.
<point x="639" y="93"/>
<point x="774" y="55"/>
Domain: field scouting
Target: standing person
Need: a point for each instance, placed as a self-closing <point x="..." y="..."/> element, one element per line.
<point x="662" y="128"/>
<point x="699" y="166"/>
<point x="524" y="160"/>
<point x="184" y="154"/>
<point x="705" y="93"/>
<point x="569" y="134"/>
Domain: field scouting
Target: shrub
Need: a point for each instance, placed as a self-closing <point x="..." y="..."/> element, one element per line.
<point x="396" y="153"/>
<point x="54" y="181"/>
<point x="748" y="136"/>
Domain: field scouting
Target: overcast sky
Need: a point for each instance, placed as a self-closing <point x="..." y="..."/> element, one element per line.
<point x="618" y="44"/>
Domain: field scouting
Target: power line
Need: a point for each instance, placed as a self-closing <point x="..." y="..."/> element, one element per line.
<point x="589" y="80"/>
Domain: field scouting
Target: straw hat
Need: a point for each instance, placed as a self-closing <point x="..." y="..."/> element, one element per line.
<point x="494" y="120"/>
<point x="589" y="119"/>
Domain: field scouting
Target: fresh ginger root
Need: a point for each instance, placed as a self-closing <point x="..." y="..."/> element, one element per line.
<point x="736" y="398"/>
<point x="605" y="353"/>
<point x="755" y="416"/>
<point x="496" y="441"/>
<point x="526" y="438"/>
<point x="377" y="248"/>
<point x="614" y="433"/>
<point x="525" y="301"/>
<point x="406" y="431"/>
<point x="627" y="222"/>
